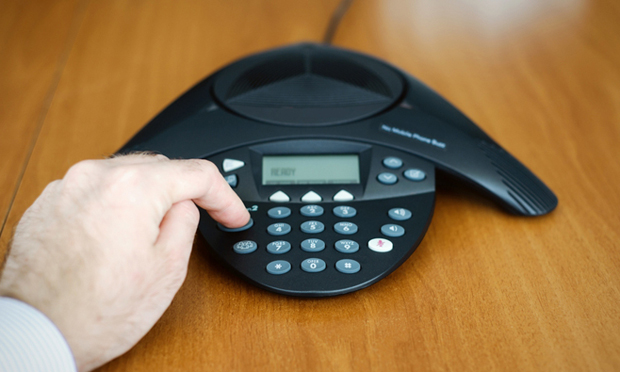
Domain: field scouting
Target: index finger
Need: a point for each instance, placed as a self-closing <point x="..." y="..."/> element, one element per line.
<point x="198" y="180"/>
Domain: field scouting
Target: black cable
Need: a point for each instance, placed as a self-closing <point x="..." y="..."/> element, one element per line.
<point x="335" y="20"/>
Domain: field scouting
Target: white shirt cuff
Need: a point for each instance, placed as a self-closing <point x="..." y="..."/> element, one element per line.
<point x="29" y="341"/>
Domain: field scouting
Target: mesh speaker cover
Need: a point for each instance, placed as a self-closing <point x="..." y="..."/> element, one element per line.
<point x="308" y="85"/>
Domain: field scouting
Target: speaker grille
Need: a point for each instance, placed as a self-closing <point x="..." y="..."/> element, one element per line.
<point x="337" y="68"/>
<point x="306" y="85"/>
<point x="267" y="73"/>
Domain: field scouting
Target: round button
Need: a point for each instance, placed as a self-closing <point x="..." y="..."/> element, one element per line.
<point x="313" y="265"/>
<point x="313" y="245"/>
<point x="245" y="247"/>
<point x="392" y="162"/>
<point x="345" y="228"/>
<point x="380" y="245"/>
<point x="312" y="227"/>
<point x="387" y="178"/>
<point x="415" y="175"/>
<point x="347" y="246"/>
<point x="399" y="214"/>
<point x="311" y="210"/>
<point x="344" y="211"/>
<point x="392" y="230"/>
<point x="278" y="267"/>
<point x="279" y="247"/>
<point x="348" y="266"/>
<point x="277" y="229"/>
<point x="236" y="229"/>
<point x="279" y="212"/>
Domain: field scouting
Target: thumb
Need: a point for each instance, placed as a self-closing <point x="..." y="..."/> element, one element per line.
<point x="177" y="230"/>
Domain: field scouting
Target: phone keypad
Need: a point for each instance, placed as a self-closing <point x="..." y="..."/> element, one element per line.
<point x="317" y="245"/>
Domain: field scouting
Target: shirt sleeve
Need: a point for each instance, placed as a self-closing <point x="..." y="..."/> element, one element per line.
<point x="29" y="341"/>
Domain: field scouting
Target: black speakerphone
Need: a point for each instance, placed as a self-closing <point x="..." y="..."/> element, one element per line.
<point x="335" y="154"/>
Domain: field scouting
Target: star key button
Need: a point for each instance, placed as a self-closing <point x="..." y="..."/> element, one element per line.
<point x="278" y="267"/>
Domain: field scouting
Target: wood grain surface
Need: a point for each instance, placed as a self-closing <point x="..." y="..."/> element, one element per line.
<point x="484" y="291"/>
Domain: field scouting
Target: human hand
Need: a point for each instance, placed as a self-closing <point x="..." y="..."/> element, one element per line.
<point x="103" y="251"/>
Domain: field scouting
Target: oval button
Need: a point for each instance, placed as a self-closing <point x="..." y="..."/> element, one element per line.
<point x="348" y="266"/>
<point x="345" y="228"/>
<point x="278" y="267"/>
<point x="313" y="265"/>
<point x="277" y="229"/>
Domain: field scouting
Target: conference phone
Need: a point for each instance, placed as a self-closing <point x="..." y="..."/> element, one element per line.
<point x="335" y="154"/>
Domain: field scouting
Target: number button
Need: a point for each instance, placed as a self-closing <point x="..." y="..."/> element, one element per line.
<point x="313" y="245"/>
<point x="279" y="212"/>
<point x="313" y="265"/>
<point x="347" y="246"/>
<point x="245" y="247"/>
<point x="345" y="228"/>
<point x="278" y="267"/>
<point x="312" y="227"/>
<point x="311" y="210"/>
<point x="344" y="211"/>
<point x="278" y="247"/>
<point x="399" y="214"/>
<point x="392" y="230"/>
<point x="278" y="229"/>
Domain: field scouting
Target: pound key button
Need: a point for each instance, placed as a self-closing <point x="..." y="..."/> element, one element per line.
<point x="245" y="247"/>
<point x="277" y="229"/>
<point x="313" y="265"/>
<point x="348" y="266"/>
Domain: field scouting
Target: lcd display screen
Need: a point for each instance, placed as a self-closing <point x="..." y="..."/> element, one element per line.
<point x="311" y="169"/>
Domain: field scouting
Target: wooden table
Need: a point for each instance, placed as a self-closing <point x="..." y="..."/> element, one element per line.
<point x="484" y="291"/>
